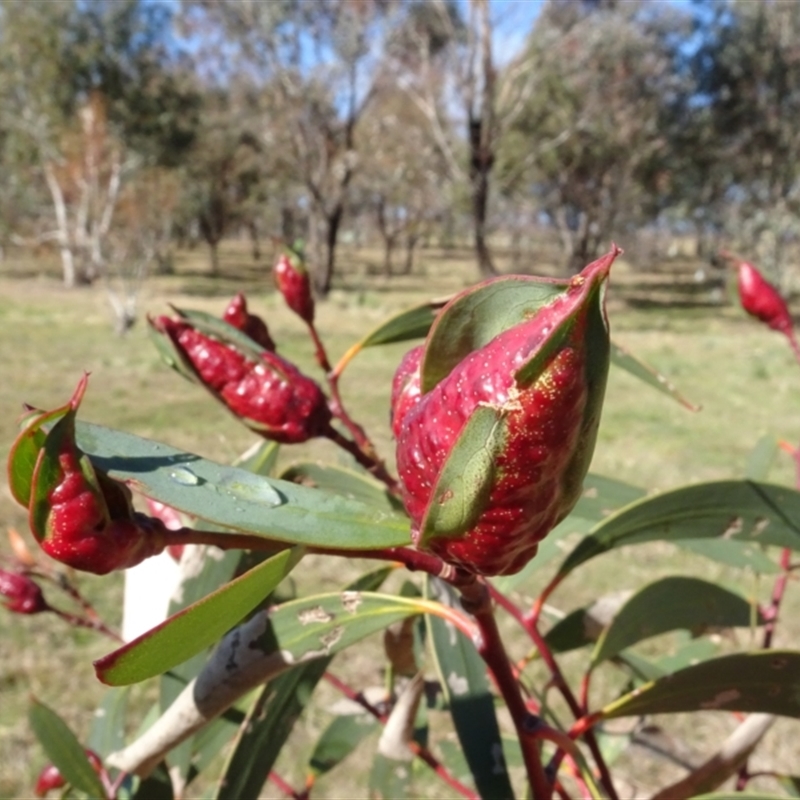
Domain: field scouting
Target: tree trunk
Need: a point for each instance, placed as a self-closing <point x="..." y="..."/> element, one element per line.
<point x="213" y="253"/>
<point x="480" y="166"/>
<point x="388" y="247"/>
<point x="255" y="242"/>
<point x="412" y="239"/>
<point x="324" y="275"/>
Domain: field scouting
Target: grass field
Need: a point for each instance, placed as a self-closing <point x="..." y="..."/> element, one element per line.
<point x="744" y="378"/>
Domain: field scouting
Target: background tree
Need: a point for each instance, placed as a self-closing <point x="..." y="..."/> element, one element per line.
<point x="591" y="133"/>
<point x="61" y="64"/>
<point x="742" y="146"/>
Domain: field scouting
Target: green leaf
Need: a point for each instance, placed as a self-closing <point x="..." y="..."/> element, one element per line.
<point x="413" y="323"/>
<point x="761" y="458"/>
<point x="791" y="783"/>
<point x="669" y="604"/>
<point x="390" y="779"/>
<point x="478" y="315"/>
<point x="570" y="633"/>
<point x="339" y="740"/>
<point x="739" y="510"/>
<point x="624" y="359"/>
<point x="265" y="730"/>
<point x="602" y="496"/>
<point x="260" y="459"/>
<point x="197" y="627"/>
<point x="766" y="680"/>
<point x="342" y="482"/>
<point x="107" y="734"/>
<point x="64" y="750"/>
<point x="235" y="498"/>
<point x="156" y="786"/>
<point x="25" y="451"/>
<point x="462" y="673"/>
<point x="742" y="555"/>
<point x="467" y="477"/>
<point x="272" y="716"/>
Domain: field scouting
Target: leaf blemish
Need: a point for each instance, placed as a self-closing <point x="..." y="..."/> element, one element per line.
<point x="458" y="684"/>
<point x="734" y="526"/>
<point x="779" y="662"/>
<point x="760" y="526"/>
<point x="351" y="601"/>
<point x="314" y="614"/>
<point x="329" y="639"/>
<point x="721" y="699"/>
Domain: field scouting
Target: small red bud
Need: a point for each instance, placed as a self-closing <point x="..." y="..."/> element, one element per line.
<point x="51" y="778"/>
<point x="20" y="594"/>
<point x="761" y="300"/>
<point x="236" y="314"/>
<point x="268" y="393"/>
<point x="291" y="278"/>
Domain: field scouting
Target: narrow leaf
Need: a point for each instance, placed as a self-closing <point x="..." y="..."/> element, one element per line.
<point x="260" y="459"/>
<point x="272" y="716"/>
<point x="197" y="627"/>
<point x="670" y="604"/>
<point x="463" y="678"/>
<point x="339" y="740"/>
<point x="389" y="779"/>
<point x="742" y="555"/>
<point x="343" y="482"/>
<point x="761" y="458"/>
<point x="624" y="359"/>
<point x="64" y="750"/>
<point x="766" y="680"/>
<point x="237" y="499"/>
<point x="739" y="510"/>
<point x="108" y="725"/>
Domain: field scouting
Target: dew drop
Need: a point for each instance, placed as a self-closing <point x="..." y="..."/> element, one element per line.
<point x="184" y="476"/>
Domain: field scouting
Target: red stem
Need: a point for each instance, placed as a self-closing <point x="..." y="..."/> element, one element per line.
<point x="476" y="600"/>
<point x="367" y="459"/>
<point x="283" y="786"/>
<point x="778" y="591"/>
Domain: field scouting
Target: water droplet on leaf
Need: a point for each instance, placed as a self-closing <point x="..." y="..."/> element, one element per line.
<point x="184" y="476"/>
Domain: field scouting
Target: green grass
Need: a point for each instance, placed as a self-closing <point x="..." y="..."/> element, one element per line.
<point x="744" y="378"/>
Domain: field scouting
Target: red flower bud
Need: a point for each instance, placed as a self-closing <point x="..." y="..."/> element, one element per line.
<point x="79" y="515"/>
<point x="236" y="314"/>
<point x="406" y="391"/>
<point x="761" y="300"/>
<point x="291" y="278"/>
<point x="51" y="778"/>
<point x="269" y="394"/>
<point x="20" y="594"/>
<point x="494" y="455"/>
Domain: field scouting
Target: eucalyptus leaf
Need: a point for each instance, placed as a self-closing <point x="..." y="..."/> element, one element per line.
<point x="761" y="458"/>
<point x="64" y="750"/>
<point x="766" y="680"/>
<point x="623" y="358"/>
<point x="462" y="673"/>
<point x="390" y="779"/>
<point x="742" y="555"/>
<point x="343" y="482"/>
<point x="272" y="715"/>
<point x="673" y="603"/>
<point x="740" y="510"/>
<point x="107" y="733"/>
<point x="197" y="627"/>
<point x="238" y="499"/>
<point x="339" y="740"/>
